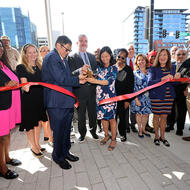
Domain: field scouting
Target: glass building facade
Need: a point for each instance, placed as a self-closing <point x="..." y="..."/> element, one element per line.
<point x="171" y="20"/>
<point x="17" y="26"/>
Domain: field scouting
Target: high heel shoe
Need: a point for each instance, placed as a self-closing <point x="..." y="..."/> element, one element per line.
<point x="105" y="140"/>
<point x="110" y="148"/>
<point x="43" y="150"/>
<point x="37" y="154"/>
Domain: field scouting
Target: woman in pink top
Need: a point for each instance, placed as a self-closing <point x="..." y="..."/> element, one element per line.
<point x="10" y="114"/>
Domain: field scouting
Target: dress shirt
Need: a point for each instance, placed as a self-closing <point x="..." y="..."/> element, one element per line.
<point x="128" y="61"/>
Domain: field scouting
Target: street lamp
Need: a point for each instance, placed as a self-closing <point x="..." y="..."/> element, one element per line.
<point x="63" y="22"/>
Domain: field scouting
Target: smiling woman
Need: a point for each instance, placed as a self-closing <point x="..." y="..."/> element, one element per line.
<point x="162" y="97"/>
<point x="33" y="110"/>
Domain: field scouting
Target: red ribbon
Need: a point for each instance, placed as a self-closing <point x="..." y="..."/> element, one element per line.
<point x="131" y="95"/>
<point x="51" y="86"/>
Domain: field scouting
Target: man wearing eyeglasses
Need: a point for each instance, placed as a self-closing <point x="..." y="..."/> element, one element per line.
<point x="180" y="100"/>
<point x="60" y="107"/>
<point x="86" y="93"/>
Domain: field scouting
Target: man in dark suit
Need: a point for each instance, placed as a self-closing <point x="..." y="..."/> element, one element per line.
<point x="86" y="93"/>
<point x="180" y="99"/>
<point x="60" y="107"/>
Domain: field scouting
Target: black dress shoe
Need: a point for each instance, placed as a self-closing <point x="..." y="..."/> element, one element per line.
<point x="95" y="136"/>
<point x="65" y="165"/>
<point x="81" y="139"/>
<point x="14" y="162"/>
<point x="72" y="158"/>
<point x="123" y="138"/>
<point x="9" y="174"/>
<point x="179" y="133"/>
<point x="169" y="128"/>
<point x="134" y="129"/>
<point x="128" y="130"/>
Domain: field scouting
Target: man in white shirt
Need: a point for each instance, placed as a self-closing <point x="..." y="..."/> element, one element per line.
<point x="131" y="62"/>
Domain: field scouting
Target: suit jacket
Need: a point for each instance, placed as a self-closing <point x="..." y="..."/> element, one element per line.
<point x="155" y="76"/>
<point x="5" y="97"/>
<point x="75" y="63"/>
<point x="55" y="72"/>
<point x="184" y="69"/>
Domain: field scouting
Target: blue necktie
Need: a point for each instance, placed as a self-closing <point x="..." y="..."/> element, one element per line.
<point x="86" y="60"/>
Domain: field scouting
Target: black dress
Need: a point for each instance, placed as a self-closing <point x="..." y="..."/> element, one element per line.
<point x="32" y="106"/>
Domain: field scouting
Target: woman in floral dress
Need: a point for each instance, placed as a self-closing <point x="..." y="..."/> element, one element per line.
<point x="141" y="105"/>
<point x="107" y="73"/>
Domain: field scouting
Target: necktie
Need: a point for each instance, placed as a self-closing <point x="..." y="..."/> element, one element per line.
<point x="178" y="66"/>
<point x="86" y="60"/>
<point x="131" y="64"/>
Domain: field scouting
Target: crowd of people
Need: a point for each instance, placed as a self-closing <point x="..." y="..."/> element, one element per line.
<point x="92" y="78"/>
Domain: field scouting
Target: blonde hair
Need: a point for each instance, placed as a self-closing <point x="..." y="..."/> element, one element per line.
<point x="24" y="59"/>
<point x="144" y="57"/>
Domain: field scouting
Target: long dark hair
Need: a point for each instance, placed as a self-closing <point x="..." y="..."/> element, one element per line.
<point x="108" y="50"/>
<point x="4" y="57"/>
<point x="168" y="63"/>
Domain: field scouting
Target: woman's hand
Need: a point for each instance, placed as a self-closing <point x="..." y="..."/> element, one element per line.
<point x="169" y="76"/>
<point x="126" y="105"/>
<point x="137" y="102"/>
<point x="26" y="88"/>
<point x="177" y="76"/>
<point x="11" y="83"/>
<point x="92" y="80"/>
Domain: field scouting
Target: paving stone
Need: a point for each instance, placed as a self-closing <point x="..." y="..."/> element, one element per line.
<point x="176" y="178"/>
<point x="83" y="181"/>
<point x="150" y="181"/>
<point x="125" y="184"/>
<point x="69" y="180"/>
<point x="134" y="178"/>
<point x="109" y="180"/>
<point x="133" y="165"/>
<point x="99" y="186"/>
<point x="56" y="183"/>
<point x="99" y="159"/>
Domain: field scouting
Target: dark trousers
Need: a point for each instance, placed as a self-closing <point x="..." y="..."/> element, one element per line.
<point x="123" y="120"/>
<point x="88" y="104"/>
<point x="172" y="117"/>
<point x="60" y="122"/>
<point x="133" y="119"/>
<point x="180" y="102"/>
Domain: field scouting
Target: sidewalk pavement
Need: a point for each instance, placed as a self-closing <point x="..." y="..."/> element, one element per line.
<point x="135" y="165"/>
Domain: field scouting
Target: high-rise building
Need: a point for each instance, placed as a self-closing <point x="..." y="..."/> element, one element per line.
<point x="17" y="26"/>
<point x="168" y="21"/>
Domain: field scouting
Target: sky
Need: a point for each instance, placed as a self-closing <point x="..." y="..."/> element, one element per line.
<point x="100" y="20"/>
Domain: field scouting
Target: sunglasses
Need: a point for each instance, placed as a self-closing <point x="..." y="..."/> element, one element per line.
<point x="120" y="57"/>
<point x="181" y="54"/>
<point x="66" y="49"/>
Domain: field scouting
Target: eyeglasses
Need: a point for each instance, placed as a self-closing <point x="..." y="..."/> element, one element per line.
<point x="120" y="57"/>
<point x="181" y="54"/>
<point x="66" y="49"/>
